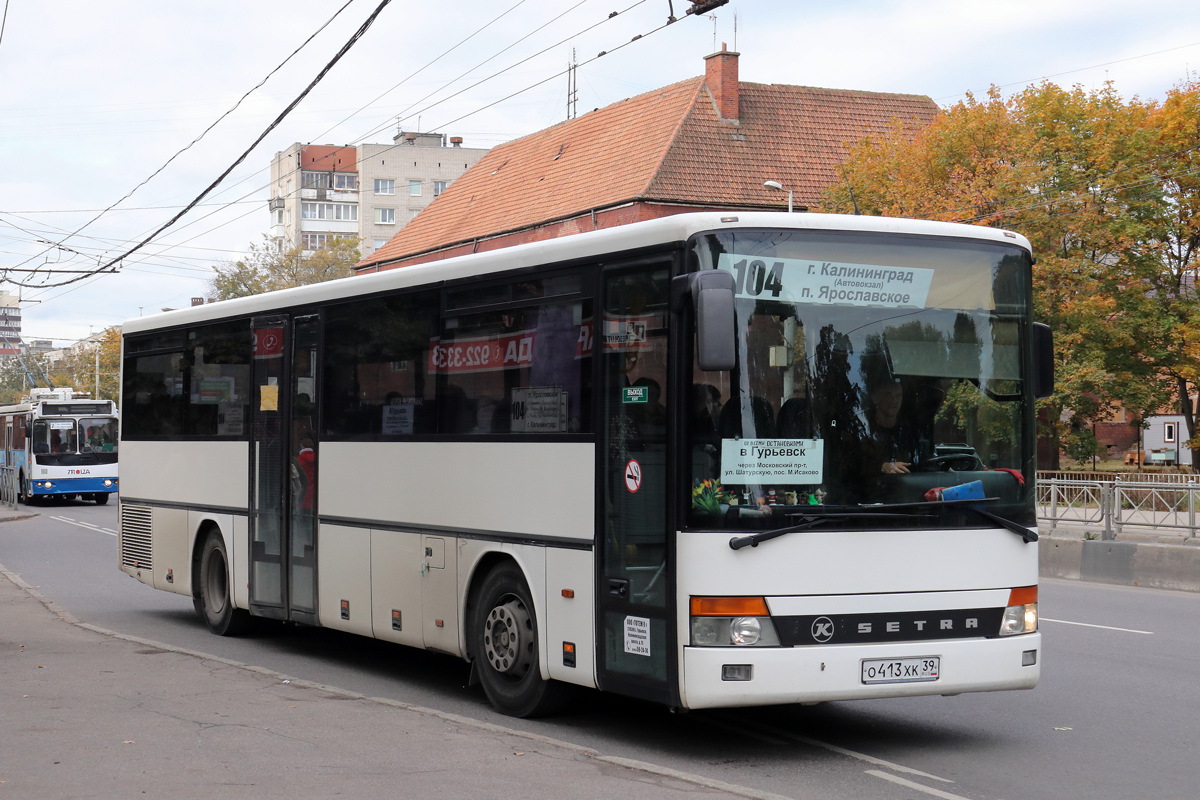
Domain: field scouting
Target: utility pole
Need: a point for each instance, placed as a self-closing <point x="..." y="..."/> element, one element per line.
<point x="572" y="87"/>
<point x="96" y="346"/>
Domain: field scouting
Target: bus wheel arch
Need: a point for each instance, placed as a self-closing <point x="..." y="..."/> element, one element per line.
<point x="502" y="640"/>
<point x="212" y="584"/>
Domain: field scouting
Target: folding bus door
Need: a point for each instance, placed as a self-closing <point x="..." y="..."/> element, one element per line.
<point x="283" y="468"/>
<point x="634" y="582"/>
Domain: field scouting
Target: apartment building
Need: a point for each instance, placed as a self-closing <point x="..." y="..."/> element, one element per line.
<point x="366" y="191"/>
<point x="10" y="324"/>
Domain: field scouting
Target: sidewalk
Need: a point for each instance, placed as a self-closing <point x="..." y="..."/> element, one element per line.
<point x="95" y="714"/>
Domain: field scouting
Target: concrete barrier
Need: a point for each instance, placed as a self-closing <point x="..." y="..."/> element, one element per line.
<point x="1160" y="566"/>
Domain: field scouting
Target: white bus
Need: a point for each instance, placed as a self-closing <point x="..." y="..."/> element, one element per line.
<point x="61" y="444"/>
<point x="706" y="460"/>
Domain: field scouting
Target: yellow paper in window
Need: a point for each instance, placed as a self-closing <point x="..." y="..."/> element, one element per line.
<point x="268" y="398"/>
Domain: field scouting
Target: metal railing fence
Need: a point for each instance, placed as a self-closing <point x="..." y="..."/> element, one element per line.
<point x="8" y="487"/>
<point x="1119" y="504"/>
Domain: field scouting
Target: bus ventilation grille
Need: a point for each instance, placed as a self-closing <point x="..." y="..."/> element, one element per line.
<point x="136" y="525"/>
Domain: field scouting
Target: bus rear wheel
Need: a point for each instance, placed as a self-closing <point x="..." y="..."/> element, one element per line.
<point x="211" y="597"/>
<point x="505" y="647"/>
<point x="101" y="498"/>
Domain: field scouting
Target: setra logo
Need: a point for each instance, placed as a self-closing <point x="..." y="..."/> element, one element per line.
<point x="822" y="629"/>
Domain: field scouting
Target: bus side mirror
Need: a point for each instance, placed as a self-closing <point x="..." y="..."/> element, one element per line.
<point x="716" y="327"/>
<point x="1043" y="360"/>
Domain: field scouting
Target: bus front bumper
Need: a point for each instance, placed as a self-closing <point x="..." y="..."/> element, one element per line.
<point x="781" y="675"/>
<point x="73" y="486"/>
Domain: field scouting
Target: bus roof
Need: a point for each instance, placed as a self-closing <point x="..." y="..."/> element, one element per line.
<point x="638" y="235"/>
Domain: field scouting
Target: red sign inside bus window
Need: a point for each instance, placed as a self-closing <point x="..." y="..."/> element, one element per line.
<point x="268" y="342"/>
<point x="487" y="354"/>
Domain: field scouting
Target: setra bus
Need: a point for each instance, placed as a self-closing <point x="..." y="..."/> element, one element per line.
<point x="705" y="460"/>
<point x="61" y="443"/>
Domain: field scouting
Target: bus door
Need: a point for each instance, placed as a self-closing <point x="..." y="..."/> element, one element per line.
<point x="283" y="468"/>
<point x="635" y="603"/>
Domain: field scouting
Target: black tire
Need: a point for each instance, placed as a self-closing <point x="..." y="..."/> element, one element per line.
<point x="503" y="631"/>
<point x="101" y="498"/>
<point x="211" y="597"/>
<point x="22" y="492"/>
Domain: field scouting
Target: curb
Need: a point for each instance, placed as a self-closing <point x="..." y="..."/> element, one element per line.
<point x="457" y="719"/>
<point x="1146" y="564"/>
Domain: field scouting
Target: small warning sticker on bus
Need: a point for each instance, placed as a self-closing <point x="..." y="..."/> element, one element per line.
<point x="637" y="636"/>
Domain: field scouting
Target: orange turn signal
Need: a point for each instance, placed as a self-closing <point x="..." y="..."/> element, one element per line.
<point x="729" y="607"/>
<point x="1023" y="596"/>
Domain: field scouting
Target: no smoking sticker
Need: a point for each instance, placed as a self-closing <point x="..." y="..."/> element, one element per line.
<point x="633" y="475"/>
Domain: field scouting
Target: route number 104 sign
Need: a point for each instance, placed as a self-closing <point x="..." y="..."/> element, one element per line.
<point x="793" y="280"/>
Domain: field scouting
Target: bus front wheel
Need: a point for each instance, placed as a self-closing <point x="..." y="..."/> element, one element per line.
<point x="505" y="647"/>
<point x="211" y="597"/>
<point x="101" y="498"/>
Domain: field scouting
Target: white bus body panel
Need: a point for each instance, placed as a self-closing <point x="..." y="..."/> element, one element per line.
<point x="855" y="572"/>
<point x="189" y="473"/>
<point x="529" y="488"/>
<point x="194" y="474"/>
<point x="344" y="575"/>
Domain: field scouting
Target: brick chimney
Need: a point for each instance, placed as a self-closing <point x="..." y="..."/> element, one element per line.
<point x="721" y="76"/>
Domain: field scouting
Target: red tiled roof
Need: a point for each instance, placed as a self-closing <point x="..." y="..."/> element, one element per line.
<point x="668" y="146"/>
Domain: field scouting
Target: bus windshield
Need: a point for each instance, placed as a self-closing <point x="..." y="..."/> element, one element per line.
<point x="878" y="377"/>
<point x="98" y="435"/>
<point x="55" y="436"/>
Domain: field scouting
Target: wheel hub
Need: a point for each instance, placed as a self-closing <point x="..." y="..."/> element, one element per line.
<point x="508" y="638"/>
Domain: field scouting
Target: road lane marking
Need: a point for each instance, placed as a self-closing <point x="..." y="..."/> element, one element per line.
<point x="84" y="525"/>
<point x="879" y="762"/>
<point x="917" y="786"/>
<point x="1090" y="625"/>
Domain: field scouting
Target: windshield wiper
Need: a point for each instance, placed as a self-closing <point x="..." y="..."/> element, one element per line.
<point x="885" y="510"/>
<point x="810" y="521"/>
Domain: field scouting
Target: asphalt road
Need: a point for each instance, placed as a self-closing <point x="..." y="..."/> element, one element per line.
<point x="1115" y="716"/>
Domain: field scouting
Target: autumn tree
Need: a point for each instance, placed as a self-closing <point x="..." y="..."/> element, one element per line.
<point x="1103" y="188"/>
<point x="265" y="269"/>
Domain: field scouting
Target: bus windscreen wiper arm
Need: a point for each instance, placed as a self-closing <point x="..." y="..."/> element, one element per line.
<point x="883" y="510"/>
<point x="738" y="542"/>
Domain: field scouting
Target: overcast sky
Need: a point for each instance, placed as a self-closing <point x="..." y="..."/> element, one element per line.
<point x="94" y="97"/>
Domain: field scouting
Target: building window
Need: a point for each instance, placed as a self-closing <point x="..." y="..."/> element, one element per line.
<point x="412" y="213"/>
<point x="385" y="216"/>
<point x="314" y="180"/>
<point x="279" y="216"/>
<point x="347" y="212"/>
<point x="314" y="241"/>
<point x="1169" y="432"/>
<point x="379" y="243"/>
<point x="414" y="188"/>
<point x="345" y="183"/>
<point x="383" y="186"/>
<point x="438" y="187"/>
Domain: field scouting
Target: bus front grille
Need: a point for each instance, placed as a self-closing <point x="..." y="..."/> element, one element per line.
<point x="136" y="527"/>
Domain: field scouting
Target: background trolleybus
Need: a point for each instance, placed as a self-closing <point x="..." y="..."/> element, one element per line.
<point x="706" y="460"/>
<point x="61" y="444"/>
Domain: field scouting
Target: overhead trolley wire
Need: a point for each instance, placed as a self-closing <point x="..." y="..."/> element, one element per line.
<point x="202" y="134"/>
<point x="109" y="266"/>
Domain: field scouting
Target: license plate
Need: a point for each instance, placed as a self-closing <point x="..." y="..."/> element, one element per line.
<point x="901" y="670"/>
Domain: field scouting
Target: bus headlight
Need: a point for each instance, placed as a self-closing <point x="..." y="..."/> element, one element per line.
<point x="108" y="483"/>
<point x="1021" y="615"/>
<point x="48" y="484"/>
<point x="716" y="622"/>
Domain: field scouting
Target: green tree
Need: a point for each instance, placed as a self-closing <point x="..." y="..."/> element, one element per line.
<point x="1105" y="190"/>
<point x="265" y="269"/>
